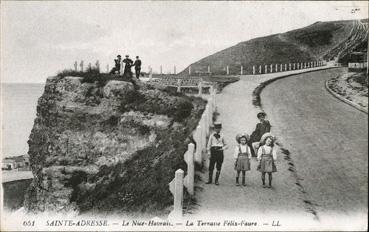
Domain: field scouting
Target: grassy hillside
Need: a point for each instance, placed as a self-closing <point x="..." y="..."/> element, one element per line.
<point x="301" y="45"/>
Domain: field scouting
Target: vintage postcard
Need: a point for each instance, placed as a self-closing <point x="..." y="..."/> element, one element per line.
<point x="184" y="115"/>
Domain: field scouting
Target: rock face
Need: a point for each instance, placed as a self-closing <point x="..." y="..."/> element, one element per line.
<point x="107" y="148"/>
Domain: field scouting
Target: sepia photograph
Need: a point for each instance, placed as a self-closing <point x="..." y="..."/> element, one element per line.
<point x="184" y="115"/>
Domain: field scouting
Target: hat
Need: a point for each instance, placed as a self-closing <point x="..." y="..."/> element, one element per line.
<point x="261" y="114"/>
<point x="217" y="125"/>
<point x="265" y="136"/>
<point x="137" y="57"/>
<point x="239" y="136"/>
<point x="119" y="56"/>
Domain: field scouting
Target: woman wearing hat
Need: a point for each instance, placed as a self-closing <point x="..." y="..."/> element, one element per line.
<point x="242" y="155"/>
<point x="267" y="156"/>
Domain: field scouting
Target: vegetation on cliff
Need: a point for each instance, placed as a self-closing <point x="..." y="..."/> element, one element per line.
<point x="107" y="146"/>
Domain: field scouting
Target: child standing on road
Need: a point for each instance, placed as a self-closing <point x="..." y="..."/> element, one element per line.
<point x="242" y="155"/>
<point x="267" y="156"/>
<point x="215" y="147"/>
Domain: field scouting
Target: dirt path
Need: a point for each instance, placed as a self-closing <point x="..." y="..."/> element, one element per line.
<point x="285" y="199"/>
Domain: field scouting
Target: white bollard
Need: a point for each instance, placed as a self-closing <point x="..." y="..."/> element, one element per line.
<point x="208" y="68"/>
<point x="281" y="68"/>
<point x="178" y="85"/>
<point x="271" y="68"/>
<point x="285" y="67"/>
<point x="259" y="69"/>
<point x="189" y="70"/>
<point x="189" y="180"/>
<point x="294" y="66"/>
<point x="227" y="70"/>
<point x="241" y="70"/>
<point x="197" y="137"/>
<point x="176" y="188"/>
<point x="265" y="69"/>
<point x="200" y="88"/>
<point x="276" y="68"/>
<point x="289" y="67"/>
<point x="253" y="69"/>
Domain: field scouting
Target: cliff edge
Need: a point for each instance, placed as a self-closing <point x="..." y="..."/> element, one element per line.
<point x="107" y="147"/>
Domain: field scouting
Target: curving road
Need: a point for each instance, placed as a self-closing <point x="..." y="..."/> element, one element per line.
<point x="327" y="139"/>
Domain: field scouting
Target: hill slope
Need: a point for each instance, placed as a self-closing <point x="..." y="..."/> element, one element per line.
<point x="320" y="40"/>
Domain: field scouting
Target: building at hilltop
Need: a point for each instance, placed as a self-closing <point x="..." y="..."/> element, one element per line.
<point x="20" y="163"/>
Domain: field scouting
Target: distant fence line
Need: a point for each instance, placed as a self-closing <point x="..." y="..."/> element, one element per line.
<point x="192" y="155"/>
<point x="263" y="69"/>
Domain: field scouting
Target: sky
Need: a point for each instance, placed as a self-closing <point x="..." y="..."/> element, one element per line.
<point x="38" y="39"/>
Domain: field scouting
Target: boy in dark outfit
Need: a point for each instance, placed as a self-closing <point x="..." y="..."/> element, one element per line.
<point x="137" y="65"/>
<point x="215" y="147"/>
<point x="261" y="128"/>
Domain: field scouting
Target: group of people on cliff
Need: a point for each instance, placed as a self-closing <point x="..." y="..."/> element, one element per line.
<point x="128" y="64"/>
<point x="259" y="145"/>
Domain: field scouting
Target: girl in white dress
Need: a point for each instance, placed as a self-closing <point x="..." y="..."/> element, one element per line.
<point x="242" y="155"/>
<point x="267" y="156"/>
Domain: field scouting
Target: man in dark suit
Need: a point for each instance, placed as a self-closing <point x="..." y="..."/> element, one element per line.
<point x="137" y="65"/>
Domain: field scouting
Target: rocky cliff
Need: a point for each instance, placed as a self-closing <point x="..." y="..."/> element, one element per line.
<point x="107" y="147"/>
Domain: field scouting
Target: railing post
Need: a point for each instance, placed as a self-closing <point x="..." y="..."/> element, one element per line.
<point x="241" y="70"/>
<point x="227" y="70"/>
<point x="253" y="69"/>
<point x="289" y="67"/>
<point x="259" y="69"/>
<point x="285" y="67"/>
<point x="200" y="88"/>
<point x="294" y="66"/>
<point x="176" y="188"/>
<point x="276" y="68"/>
<point x="208" y="68"/>
<point x="178" y="85"/>
<point x="190" y="177"/>
<point x="281" y="68"/>
<point x="265" y="69"/>
<point x="271" y="68"/>
<point x="198" y="139"/>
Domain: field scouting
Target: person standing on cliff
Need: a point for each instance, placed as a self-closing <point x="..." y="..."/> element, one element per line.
<point x="117" y="65"/>
<point x="137" y="65"/>
<point x="215" y="147"/>
<point x="127" y="68"/>
<point x="261" y="128"/>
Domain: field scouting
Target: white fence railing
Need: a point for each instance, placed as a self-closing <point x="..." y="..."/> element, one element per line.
<point x="192" y="155"/>
<point x="268" y="68"/>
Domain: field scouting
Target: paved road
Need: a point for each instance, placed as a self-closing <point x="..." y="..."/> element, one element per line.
<point x="328" y="144"/>
<point x="327" y="139"/>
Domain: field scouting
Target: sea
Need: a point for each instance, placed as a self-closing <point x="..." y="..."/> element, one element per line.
<point x="18" y="102"/>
